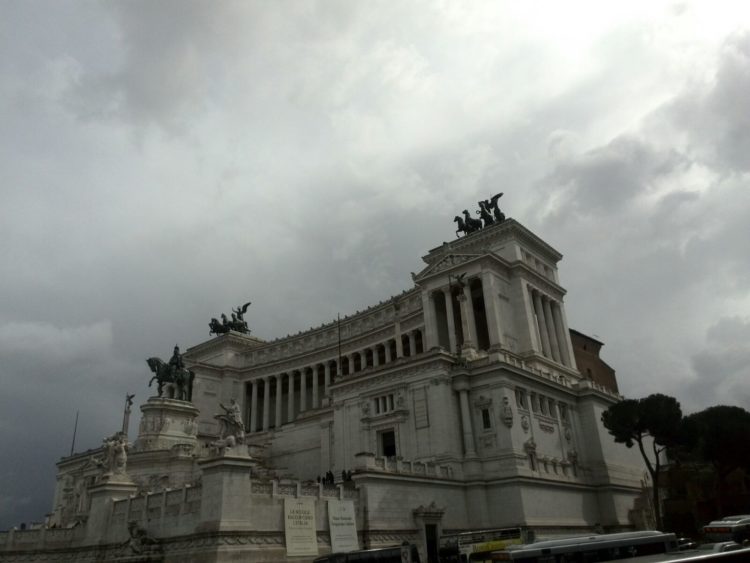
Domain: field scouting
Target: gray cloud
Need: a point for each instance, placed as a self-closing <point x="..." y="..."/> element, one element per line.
<point x="656" y="221"/>
<point x="722" y="367"/>
<point x="606" y="179"/>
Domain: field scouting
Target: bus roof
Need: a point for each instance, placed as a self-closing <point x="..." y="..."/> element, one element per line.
<point x="692" y="556"/>
<point x="596" y="539"/>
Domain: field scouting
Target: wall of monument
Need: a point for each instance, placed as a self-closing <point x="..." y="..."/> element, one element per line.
<point x="175" y="516"/>
<point x="297" y="449"/>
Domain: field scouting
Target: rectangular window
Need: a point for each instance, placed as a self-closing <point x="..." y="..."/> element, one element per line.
<point x="486" y="419"/>
<point x="388" y="443"/>
<point x="384" y="404"/>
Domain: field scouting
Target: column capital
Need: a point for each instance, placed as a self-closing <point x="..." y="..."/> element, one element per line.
<point x="461" y="383"/>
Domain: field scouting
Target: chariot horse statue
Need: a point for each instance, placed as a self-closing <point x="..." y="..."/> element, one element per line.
<point x="181" y="379"/>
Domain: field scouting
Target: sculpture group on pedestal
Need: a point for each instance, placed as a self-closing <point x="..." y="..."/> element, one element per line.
<point x="237" y="323"/>
<point x="231" y="428"/>
<point x="114" y="457"/>
<point x="488" y="211"/>
<point x="175" y="374"/>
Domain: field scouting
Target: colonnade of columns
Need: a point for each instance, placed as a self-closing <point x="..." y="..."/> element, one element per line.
<point x="452" y="313"/>
<point x="550" y="327"/>
<point x="296" y="391"/>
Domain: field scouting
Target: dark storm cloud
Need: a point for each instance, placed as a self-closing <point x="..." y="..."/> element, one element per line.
<point x="722" y="367"/>
<point x="42" y="364"/>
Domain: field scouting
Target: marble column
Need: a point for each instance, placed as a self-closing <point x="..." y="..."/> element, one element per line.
<point x="470" y="313"/>
<point x="466" y="420"/>
<point x="462" y="386"/>
<point x="566" y="335"/>
<point x="543" y="334"/>
<point x="375" y="356"/>
<point x="254" y="406"/>
<point x="430" y="336"/>
<point x="315" y="403"/>
<point x="399" y="341"/>
<point x="492" y="311"/>
<point x="290" y="398"/>
<point x="266" y="401"/>
<point x="277" y="419"/>
<point x="350" y="360"/>
<point x="410" y="343"/>
<point x="451" y="321"/>
<point x="302" y="390"/>
<point x="549" y="321"/>
<point x="469" y="343"/>
<point x="560" y="331"/>
<point x="388" y="358"/>
<point x="327" y="375"/>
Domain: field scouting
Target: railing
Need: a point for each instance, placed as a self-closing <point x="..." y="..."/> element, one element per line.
<point x="288" y="488"/>
<point x="370" y="462"/>
<point x="40" y="538"/>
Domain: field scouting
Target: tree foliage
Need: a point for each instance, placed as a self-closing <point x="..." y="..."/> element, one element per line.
<point x="653" y="423"/>
<point x="719" y="436"/>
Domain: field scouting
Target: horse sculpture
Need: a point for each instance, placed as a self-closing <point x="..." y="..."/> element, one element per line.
<point x="217" y="327"/>
<point x="461" y="225"/>
<point x="471" y="223"/>
<point x="181" y="379"/>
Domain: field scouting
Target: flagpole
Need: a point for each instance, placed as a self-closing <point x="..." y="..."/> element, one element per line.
<point x="75" y="429"/>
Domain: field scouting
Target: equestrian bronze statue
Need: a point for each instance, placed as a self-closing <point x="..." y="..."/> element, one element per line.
<point x="179" y="380"/>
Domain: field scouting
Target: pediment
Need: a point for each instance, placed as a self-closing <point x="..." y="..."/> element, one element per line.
<point x="447" y="262"/>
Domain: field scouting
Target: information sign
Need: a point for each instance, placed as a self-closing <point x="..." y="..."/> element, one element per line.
<point x="342" y="525"/>
<point x="299" y="526"/>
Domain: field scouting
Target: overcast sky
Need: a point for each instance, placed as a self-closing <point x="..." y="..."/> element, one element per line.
<point x="161" y="162"/>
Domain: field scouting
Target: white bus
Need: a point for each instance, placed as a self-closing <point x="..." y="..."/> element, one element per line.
<point x="463" y="547"/>
<point x="589" y="549"/>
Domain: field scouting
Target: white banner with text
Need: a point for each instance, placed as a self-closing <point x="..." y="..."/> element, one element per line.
<point x="342" y="524"/>
<point x="299" y="526"/>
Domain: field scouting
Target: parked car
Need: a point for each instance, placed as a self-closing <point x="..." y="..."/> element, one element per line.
<point x="729" y="528"/>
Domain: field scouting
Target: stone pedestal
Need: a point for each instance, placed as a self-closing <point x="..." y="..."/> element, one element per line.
<point x="226" y="492"/>
<point x="167" y="423"/>
<point x="102" y="496"/>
